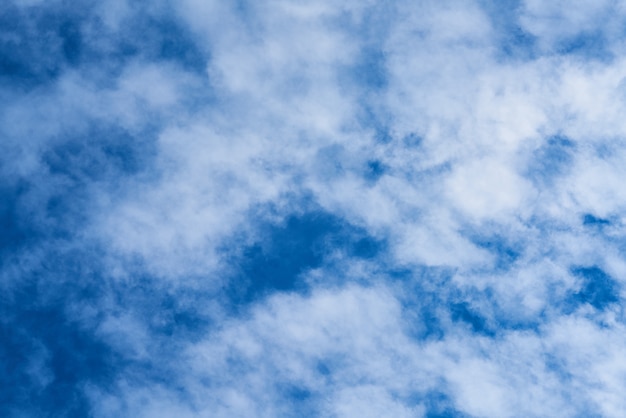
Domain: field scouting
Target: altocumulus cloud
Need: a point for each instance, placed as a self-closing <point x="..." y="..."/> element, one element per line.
<point x="285" y="208"/>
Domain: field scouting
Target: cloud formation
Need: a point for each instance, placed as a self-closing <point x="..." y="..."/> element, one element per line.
<point x="283" y="209"/>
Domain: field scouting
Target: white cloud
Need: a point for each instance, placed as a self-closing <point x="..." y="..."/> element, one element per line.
<point x="276" y="120"/>
<point x="286" y="125"/>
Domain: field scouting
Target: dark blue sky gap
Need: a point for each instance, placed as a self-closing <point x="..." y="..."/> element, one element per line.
<point x="37" y="47"/>
<point x="40" y="335"/>
<point x="46" y="210"/>
<point x="16" y="231"/>
<point x="598" y="288"/>
<point x="462" y="312"/>
<point x="287" y="250"/>
<point x="29" y="57"/>
<point x="37" y="328"/>
<point x="591" y="220"/>
<point x="440" y="405"/>
<point x="506" y="253"/>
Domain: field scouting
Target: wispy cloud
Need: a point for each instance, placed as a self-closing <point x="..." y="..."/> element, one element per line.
<point x="284" y="209"/>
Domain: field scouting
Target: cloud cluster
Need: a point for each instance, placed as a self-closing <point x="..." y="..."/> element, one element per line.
<point x="285" y="209"/>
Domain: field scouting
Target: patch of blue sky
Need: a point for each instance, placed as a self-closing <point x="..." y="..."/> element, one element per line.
<point x="287" y="250"/>
<point x="49" y="355"/>
<point x="483" y="312"/>
<point x="518" y="44"/>
<point x="72" y="42"/>
<point x="424" y="293"/>
<point x="590" y="220"/>
<point x="587" y="46"/>
<point x="40" y="44"/>
<point x="167" y="313"/>
<point x="440" y="405"/>
<point x="50" y="208"/>
<point x="477" y="311"/>
<point x="55" y="199"/>
<point x="103" y="152"/>
<point x="176" y="315"/>
<point x="463" y="312"/>
<point x="374" y="170"/>
<point x="298" y="400"/>
<point x="504" y="248"/>
<point x="29" y="54"/>
<point x="54" y="344"/>
<point x="597" y="289"/>
<point x="163" y="38"/>
<point x="17" y="232"/>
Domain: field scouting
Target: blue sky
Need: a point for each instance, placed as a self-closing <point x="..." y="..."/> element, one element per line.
<point x="285" y="208"/>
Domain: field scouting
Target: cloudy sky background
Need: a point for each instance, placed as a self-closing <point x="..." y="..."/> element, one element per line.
<point x="287" y="208"/>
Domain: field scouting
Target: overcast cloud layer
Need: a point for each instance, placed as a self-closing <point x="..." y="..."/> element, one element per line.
<point x="289" y="209"/>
